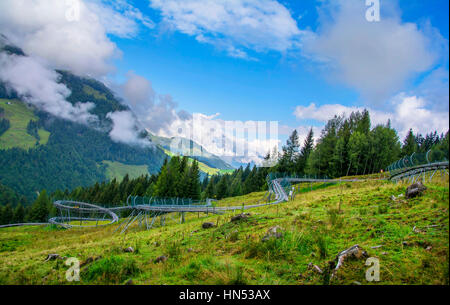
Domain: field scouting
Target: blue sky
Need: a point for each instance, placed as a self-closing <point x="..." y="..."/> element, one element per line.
<point x="295" y="62"/>
<point x="203" y="78"/>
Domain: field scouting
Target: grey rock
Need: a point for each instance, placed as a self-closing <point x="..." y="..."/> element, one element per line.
<point x="161" y="259"/>
<point x="128" y="250"/>
<point x="415" y="189"/>
<point x="274" y="232"/>
<point x="208" y="225"/>
<point x="239" y="217"/>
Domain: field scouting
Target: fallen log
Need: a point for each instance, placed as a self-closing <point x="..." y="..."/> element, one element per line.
<point x="354" y="252"/>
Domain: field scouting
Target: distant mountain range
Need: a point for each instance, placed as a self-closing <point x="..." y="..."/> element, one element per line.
<point x="39" y="150"/>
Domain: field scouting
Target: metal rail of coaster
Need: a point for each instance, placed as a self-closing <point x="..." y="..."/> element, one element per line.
<point x="74" y="214"/>
<point x="147" y="210"/>
<point x="418" y="165"/>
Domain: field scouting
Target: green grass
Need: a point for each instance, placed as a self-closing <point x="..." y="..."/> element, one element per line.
<point x="119" y="170"/>
<point x="317" y="225"/>
<point x="19" y="116"/>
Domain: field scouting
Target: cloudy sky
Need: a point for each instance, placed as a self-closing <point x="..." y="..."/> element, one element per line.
<point x="295" y="62"/>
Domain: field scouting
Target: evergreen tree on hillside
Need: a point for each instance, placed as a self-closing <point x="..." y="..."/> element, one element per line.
<point x="40" y="209"/>
<point x="19" y="214"/>
<point x="289" y="154"/>
<point x="222" y="188"/>
<point x="307" y="148"/>
<point x="194" y="187"/>
<point x="236" y="184"/>
<point x="209" y="191"/>
<point x="6" y="214"/>
<point x="409" y="144"/>
<point x="323" y="161"/>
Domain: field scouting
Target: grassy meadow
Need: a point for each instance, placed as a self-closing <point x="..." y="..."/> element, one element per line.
<point x="410" y="237"/>
<point x="19" y="115"/>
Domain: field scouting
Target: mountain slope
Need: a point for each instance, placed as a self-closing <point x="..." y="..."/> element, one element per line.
<point x="67" y="154"/>
<point x="19" y="116"/>
<point x="191" y="149"/>
<point x="41" y="151"/>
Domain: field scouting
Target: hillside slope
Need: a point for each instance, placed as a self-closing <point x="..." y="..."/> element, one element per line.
<point x="409" y="237"/>
<point x="57" y="154"/>
<point x="191" y="149"/>
<point x="19" y="115"/>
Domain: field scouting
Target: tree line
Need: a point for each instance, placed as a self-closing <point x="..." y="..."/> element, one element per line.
<point x="346" y="146"/>
<point x="349" y="146"/>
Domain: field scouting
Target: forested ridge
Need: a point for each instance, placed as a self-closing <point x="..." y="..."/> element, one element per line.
<point x="71" y="158"/>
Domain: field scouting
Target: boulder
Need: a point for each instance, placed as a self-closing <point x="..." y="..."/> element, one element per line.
<point x="274" y="232"/>
<point x="128" y="250"/>
<point x="239" y="217"/>
<point x="415" y="189"/>
<point x="207" y="225"/>
<point x="161" y="259"/>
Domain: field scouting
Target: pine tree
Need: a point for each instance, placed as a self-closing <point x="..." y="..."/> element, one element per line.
<point x="409" y="144"/>
<point x="308" y="146"/>
<point x="7" y="214"/>
<point x="19" y="214"/>
<point x="290" y="154"/>
<point x="194" y="181"/>
<point x="209" y="191"/>
<point x="40" y="209"/>
<point x="222" y="188"/>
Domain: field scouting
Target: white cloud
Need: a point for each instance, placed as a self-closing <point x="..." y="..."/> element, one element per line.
<point x="327" y="111"/>
<point x="376" y="58"/>
<point x="413" y="112"/>
<point x="156" y="112"/>
<point x="38" y="85"/>
<point x="125" y="129"/>
<point x="407" y="112"/>
<point x="78" y="43"/>
<point x="302" y="132"/>
<point x="227" y="140"/>
<point x="234" y="26"/>
<point x="119" y="17"/>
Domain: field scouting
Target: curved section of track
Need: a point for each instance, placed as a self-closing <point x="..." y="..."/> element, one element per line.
<point x="419" y="169"/>
<point x="96" y="213"/>
<point x="108" y="216"/>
